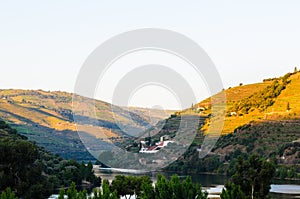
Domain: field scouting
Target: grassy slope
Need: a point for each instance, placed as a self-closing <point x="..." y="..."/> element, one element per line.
<point x="277" y="111"/>
<point x="292" y="95"/>
<point x="54" y="109"/>
<point x="273" y="133"/>
<point x="46" y="117"/>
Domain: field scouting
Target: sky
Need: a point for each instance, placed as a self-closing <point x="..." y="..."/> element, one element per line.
<point x="43" y="44"/>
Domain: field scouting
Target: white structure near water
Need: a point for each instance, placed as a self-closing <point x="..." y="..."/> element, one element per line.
<point x="156" y="147"/>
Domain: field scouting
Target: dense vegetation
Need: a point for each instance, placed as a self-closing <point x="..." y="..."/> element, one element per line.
<point x="276" y="141"/>
<point x="142" y="188"/>
<point x="32" y="172"/>
<point x="251" y="179"/>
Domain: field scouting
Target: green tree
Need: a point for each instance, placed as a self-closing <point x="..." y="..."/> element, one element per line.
<point x="139" y="182"/>
<point x="33" y="172"/>
<point x="200" y="194"/>
<point x="147" y="191"/>
<point x="124" y="185"/>
<point x="282" y="173"/>
<point x="8" y="194"/>
<point x="188" y="188"/>
<point x="72" y="192"/>
<point x="61" y="194"/>
<point x="192" y="190"/>
<point x="21" y="170"/>
<point x="106" y="192"/>
<point x="176" y="187"/>
<point x="162" y="188"/>
<point x="254" y="176"/>
<point x="232" y="191"/>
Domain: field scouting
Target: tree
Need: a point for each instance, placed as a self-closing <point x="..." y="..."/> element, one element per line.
<point x="8" y="194"/>
<point x="61" y="194"/>
<point x="188" y="188"/>
<point x="200" y="194"/>
<point x="173" y="189"/>
<point x="33" y="172"/>
<point x="123" y="185"/>
<point x="139" y="182"/>
<point x="254" y="176"/>
<point x="147" y="191"/>
<point x="192" y="190"/>
<point x="176" y="186"/>
<point x="107" y="194"/>
<point x="232" y="191"/>
<point x="176" y="190"/>
<point x="295" y="69"/>
<point x="20" y="169"/>
<point x="162" y="188"/>
<point x="72" y="192"/>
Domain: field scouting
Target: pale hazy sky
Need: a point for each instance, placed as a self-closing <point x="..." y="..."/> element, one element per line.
<point x="44" y="43"/>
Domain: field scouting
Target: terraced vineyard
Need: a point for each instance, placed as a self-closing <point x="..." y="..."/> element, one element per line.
<point x="277" y="110"/>
<point x="47" y="118"/>
<point x="273" y="132"/>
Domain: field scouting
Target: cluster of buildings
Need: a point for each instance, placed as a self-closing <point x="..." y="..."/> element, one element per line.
<point x="154" y="149"/>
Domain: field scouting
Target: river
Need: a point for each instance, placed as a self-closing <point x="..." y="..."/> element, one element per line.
<point x="214" y="183"/>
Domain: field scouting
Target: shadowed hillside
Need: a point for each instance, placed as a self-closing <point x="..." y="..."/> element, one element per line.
<point x="47" y="118"/>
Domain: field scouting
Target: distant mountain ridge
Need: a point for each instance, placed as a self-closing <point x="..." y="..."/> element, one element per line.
<point x="47" y="118"/>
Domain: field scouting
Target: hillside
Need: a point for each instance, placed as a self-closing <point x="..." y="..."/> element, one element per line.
<point x="261" y="118"/>
<point x="47" y="118"/>
<point x="267" y="100"/>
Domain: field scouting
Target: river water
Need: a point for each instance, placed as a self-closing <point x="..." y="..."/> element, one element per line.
<point x="214" y="184"/>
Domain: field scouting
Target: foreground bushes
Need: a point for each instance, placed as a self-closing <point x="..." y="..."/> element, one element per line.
<point x="142" y="188"/>
<point x="252" y="179"/>
<point x="32" y="172"/>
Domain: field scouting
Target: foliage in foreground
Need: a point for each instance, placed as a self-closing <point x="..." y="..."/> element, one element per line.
<point x="141" y="188"/>
<point x="72" y="193"/>
<point x="232" y="191"/>
<point x="8" y="194"/>
<point x="252" y="179"/>
<point x="32" y="172"/>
